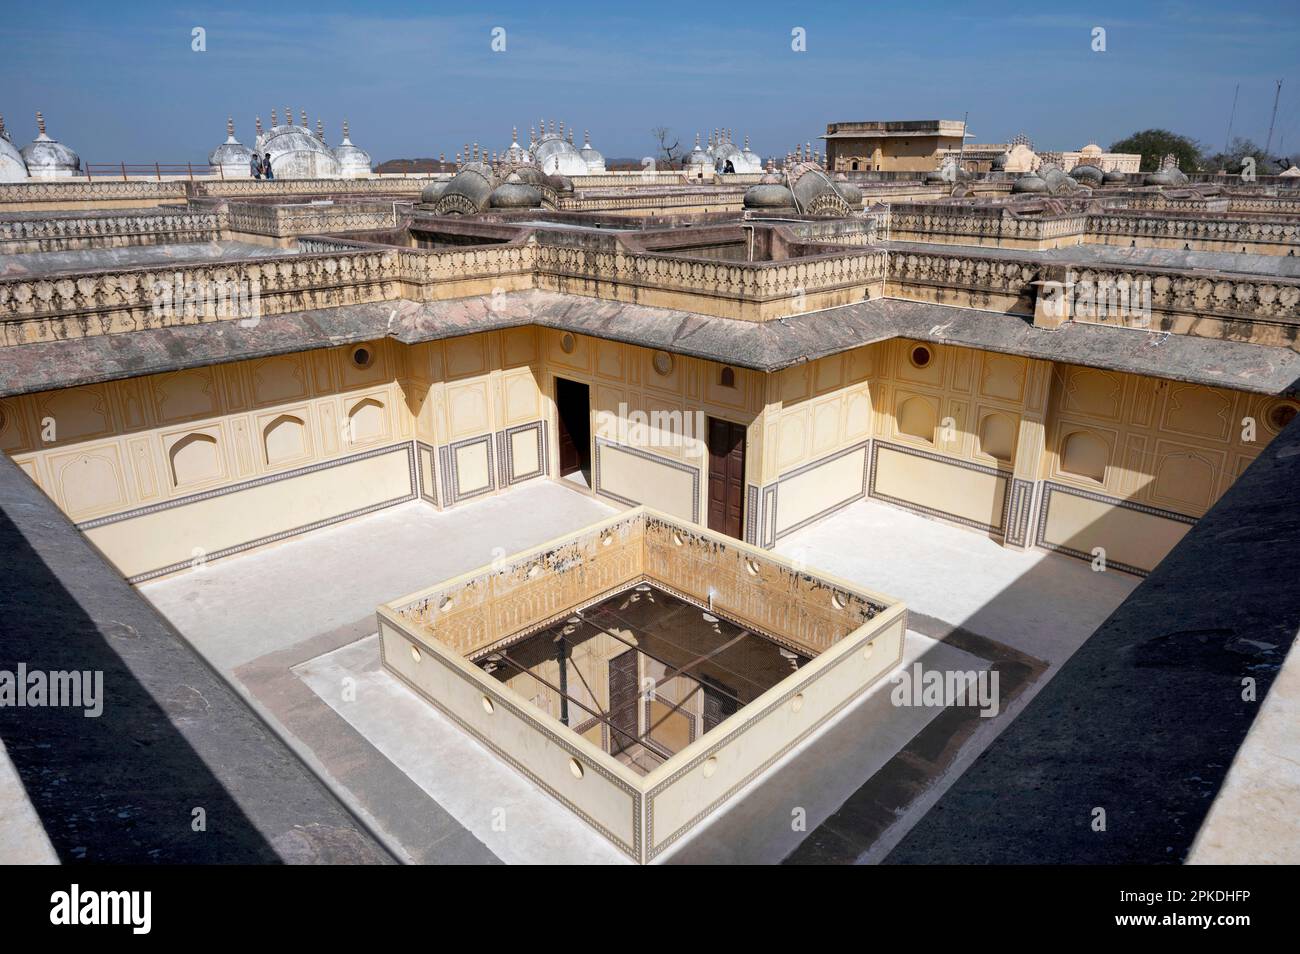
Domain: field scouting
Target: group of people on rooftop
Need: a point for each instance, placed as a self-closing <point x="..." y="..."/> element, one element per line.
<point x="260" y="166"/>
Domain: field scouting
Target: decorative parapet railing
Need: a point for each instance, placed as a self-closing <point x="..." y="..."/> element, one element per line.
<point x="263" y="188"/>
<point x="1259" y="310"/>
<point x="752" y="291"/>
<point x="38" y="195"/>
<point x="628" y="180"/>
<point x="135" y="299"/>
<point x="1286" y="205"/>
<point x="103" y="229"/>
<point x="1229" y="233"/>
<point x="993" y="284"/>
<point x="715" y="199"/>
<point x="282" y="221"/>
<point x="333" y="272"/>
<point x="1001" y="227"/>
<point x="866" y="229"/>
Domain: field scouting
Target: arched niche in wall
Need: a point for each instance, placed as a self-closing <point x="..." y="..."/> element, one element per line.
<point x="367" y="421"/>
<point x="195" y="459"/>
<point x="917" y="417"/>
<point x="1185" y="479"/>
<point x="997" y="436"/>
<point x="1084" y="454"/>
<point x="284" y="439"/>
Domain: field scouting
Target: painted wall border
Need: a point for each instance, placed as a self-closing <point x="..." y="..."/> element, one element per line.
<point x="1051" y="487"/>
<point x="931" y="511"/>
<point x="645" y="455"/>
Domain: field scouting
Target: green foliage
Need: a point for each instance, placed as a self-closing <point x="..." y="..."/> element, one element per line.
<point x="1155" y="144"/>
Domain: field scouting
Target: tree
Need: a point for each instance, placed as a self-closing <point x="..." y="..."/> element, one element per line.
<point x="1155" y="144"/>
<point x="1238" y="150"/>
<point x="669" y="155"/>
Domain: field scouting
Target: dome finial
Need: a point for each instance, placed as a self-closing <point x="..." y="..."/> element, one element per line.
<point x="586" y="137"/>
<point x="230" y="126"/>
<point x="3" y="134"/>
<point x="40" y="122"/>
<point x="320" y="129"/>
<point x="514" y="135"/>
<point x="288" y="116"/>
<point x="258" y="124"/>
<point x="346" y="135"/>
<point x="274" y="120"/>
<point x="305" y="124"/>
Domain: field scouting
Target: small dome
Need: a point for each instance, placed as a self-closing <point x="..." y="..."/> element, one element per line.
<point x="1092" y="149"/>
<point x="354" y="162"/>
<point x="848" y="191"/>
<point x="770" y="195"/>
<point x="698" y="160"/>
<point x="1114" y="176"/>
<point x="12" y="167"/>
<point x="1031" y="183"/>
<point x="1162" y="177"/>
<point x="594" y="160"/>
<point x="433" y="191"/>
<point x="514" y="193"/>
<point x="999" y="163"/>
<point x="1090" y="175"/>
<point x="232" y="157"/>
<point x="48" y="158"/>
<point x="560" y="183"/>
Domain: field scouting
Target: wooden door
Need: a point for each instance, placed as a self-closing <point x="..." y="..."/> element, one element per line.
<point x="726" y="477"/>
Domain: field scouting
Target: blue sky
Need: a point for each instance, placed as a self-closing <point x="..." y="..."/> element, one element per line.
<point x="119" y="81"/>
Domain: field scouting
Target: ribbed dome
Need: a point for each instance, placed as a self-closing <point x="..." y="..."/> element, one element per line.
<point x="1031" y="183"/>
<point x="769" y="195"/>
<point x="1114" y="176"/>
<point x="999" y="163"/>
<point x="232" y="157"/>
<point x="12" y="167"/>
<point x="48" y="158"/>
<point x="1087" y="174"/>
<point x="296" y="153"/>
<point x="354" y="162"/>
<point x="556" y="156"/>
<point x="514" y="193"/>
<point x="467" y="193"/>
<point x="848" y="191"/>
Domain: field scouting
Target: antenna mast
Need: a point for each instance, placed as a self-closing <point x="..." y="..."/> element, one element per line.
<point x="1276" y="96"/>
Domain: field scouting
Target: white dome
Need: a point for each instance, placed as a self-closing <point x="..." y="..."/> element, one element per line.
<point x="297" y="153"/>
<point x="232" y="157"/>
<point x="12" y="167"/>
<point x="354" y="162"/>
<point x="594" y="160"/>
<point x="48" y="158"/>
<point x="556" y="156"/>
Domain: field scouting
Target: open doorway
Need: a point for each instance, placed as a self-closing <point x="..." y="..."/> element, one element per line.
<point x="573" y="414"/>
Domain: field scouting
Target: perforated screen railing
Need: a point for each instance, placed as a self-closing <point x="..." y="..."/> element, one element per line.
<point x="642" y="673"/>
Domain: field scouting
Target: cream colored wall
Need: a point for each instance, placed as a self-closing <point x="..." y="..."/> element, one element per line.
<point x="670" y="475"/>
<point x="182" y="445"/>
<point x="196" y="459"/>
<point x="980" y="438"/>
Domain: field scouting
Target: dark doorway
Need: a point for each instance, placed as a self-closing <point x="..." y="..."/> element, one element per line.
<point x="726" y="477"/>
<point x="622" y="702"/>
<point x="573" y="410"/>
<point x="719" y="703"/>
